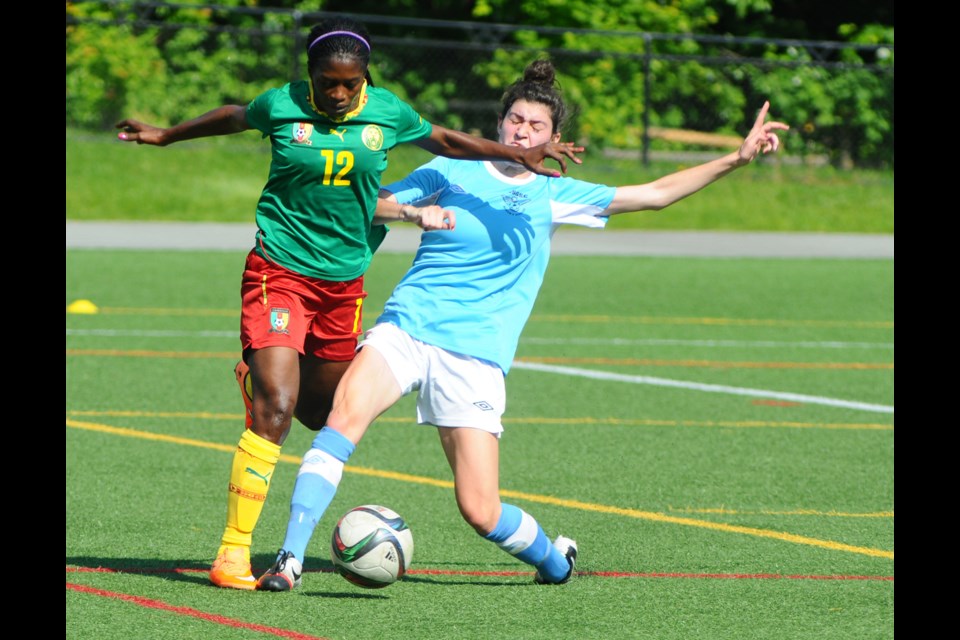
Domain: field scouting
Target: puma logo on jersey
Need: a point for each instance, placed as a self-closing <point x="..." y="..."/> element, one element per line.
<point x="339" y="134"/>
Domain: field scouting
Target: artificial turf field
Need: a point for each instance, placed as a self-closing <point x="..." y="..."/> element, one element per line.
<point x="717" y="435"/>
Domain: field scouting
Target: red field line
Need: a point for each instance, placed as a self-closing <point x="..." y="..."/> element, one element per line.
<point x="193" y="613"/>
<point x="595" y="574"/>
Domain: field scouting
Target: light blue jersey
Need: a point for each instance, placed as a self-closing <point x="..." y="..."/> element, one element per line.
<point x="471" y="290"/>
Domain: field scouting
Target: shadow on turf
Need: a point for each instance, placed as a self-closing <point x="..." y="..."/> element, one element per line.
<point x="195" y="572"/>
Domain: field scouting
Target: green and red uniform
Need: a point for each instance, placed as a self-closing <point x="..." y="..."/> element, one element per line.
<point x="314" y="217"/>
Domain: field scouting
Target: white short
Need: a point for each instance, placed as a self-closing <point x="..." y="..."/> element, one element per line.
<point x="454" y="390"/>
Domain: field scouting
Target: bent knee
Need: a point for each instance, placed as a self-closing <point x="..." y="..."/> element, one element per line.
<point x="483" y="518"/>
<point x="274" y="410"/>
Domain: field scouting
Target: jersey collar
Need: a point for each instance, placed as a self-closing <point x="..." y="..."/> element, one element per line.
<point x="361" y="103"/>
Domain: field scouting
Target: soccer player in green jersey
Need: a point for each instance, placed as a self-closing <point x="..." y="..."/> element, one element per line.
<point x="319" y="221"/>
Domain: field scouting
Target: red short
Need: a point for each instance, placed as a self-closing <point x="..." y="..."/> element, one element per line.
<point x="285" y="309"/>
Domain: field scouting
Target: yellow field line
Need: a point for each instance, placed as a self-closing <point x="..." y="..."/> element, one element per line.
<point x="792" y="512"/>
<point x="145" y="353"/>
<point x="182" y="415"/>
<point x="531" y="497"/>
<point x="633" y="422"/>
<point x="703" y="524"/>
<point x="156" y="311"/>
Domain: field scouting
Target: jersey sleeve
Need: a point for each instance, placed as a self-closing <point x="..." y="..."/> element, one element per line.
<point x="580" y="203"/>
<point x="410" y="124"/>
<point x="423" y="185"/>
<point x="258" y="111"/>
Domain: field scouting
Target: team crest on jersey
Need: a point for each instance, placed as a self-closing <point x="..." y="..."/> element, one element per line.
<point x="515" y="201"/>
<point x="279" y="320"/>
<point x="372" y="137"/>
<point x="302" y="132"/>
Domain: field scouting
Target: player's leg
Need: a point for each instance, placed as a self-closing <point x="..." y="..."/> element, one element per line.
<point x="318" y="382"/>
<point x="367" y="389"/>
<point x="330" y="346"/>
<point x="473" y="455"/>
<point x="274" y="373"/>
<point x="474" y="458"/>
<point x="469" y="396"/>
<point x="272" y="330"/>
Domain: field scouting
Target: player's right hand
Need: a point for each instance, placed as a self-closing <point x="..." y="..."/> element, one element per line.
<point x="433" y="218"/>
<point x="534" y="157"/>
<point x="140" y="132"/>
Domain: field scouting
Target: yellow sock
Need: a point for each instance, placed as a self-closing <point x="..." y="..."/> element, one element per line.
<point x="253" y="466"/>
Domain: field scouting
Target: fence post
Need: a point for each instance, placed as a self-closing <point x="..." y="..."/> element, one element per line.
<point x="646" y="98"/>
<point x="297" y="45"/>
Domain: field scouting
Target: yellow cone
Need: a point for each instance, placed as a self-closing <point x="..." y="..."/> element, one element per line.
<point x="82" y="306"/>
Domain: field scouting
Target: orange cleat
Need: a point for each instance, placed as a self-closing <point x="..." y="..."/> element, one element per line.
<point x="231" y="570"/>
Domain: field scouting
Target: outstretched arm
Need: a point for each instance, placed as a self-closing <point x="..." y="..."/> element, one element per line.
<point x="676" y="186"/>
<point x="221" y="121"/>
<point x="457" y="144"/>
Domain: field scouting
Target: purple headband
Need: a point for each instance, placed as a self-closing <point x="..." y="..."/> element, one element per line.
<point x="340" y="33"/>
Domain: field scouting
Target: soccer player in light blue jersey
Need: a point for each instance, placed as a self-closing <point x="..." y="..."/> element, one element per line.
<point x="302" y="287"/>
<point x="450" y="329"/>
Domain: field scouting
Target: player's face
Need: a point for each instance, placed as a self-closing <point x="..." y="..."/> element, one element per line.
<point x="336" y="85"/>
<point x="527" y="124"/>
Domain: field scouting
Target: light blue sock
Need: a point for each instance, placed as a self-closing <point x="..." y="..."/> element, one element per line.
<point x="317" y="481"/>
<point x="519" y="534"/>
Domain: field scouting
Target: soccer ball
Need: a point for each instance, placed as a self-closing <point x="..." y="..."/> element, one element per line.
<point x="371" y="546"/>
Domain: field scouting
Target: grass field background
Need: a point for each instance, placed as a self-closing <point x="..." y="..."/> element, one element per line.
<point x="732" y="476"/>
<point x="219" y="180"/>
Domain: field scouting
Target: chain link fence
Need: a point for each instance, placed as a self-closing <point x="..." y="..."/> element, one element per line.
<point x="631" y="92"/>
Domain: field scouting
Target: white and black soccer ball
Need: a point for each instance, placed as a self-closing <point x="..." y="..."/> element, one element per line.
<point x="372" y="546"/>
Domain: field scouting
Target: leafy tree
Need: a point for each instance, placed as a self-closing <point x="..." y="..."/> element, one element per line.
<point x="624" y="65"/>
<point x="111" y="70"/>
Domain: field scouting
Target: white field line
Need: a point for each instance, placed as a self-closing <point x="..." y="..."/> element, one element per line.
<point x="699" y="386"/>
<point x="142" y="333"/>
<point x="597" y="375"/>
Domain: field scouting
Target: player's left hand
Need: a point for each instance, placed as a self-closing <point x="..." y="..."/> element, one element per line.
<point x="534" y="157"/>
<point x="761" y="138"/>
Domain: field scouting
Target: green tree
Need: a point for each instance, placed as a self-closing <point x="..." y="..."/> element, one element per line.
<point x="164" y="64"/>
<point x="622" y="64"/>
<point x="111" y="70"/>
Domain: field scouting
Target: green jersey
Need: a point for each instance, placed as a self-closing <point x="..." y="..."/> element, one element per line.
<point x="316" y="211"/>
